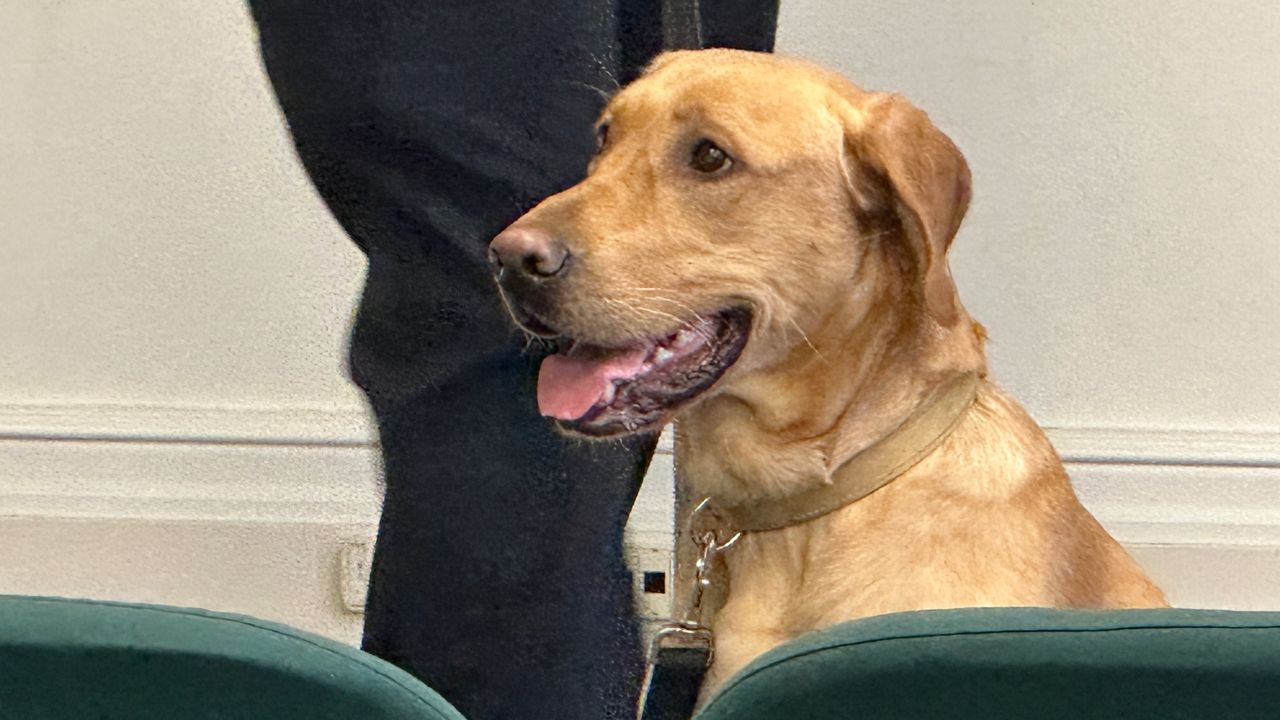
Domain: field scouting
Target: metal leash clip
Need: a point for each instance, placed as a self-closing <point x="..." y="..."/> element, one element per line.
<point x="683" y="649"/>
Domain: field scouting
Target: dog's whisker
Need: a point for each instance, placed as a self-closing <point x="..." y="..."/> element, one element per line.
<point x="637" y="312"/>
<point x="684" y="323"/>
<point x="604" y="94"/>
<point x="625" y="311"/>
<point x="877" y="236"/>
<point x="809" y="342"/>
<point x="603" y="67"/>
<point x="663" y="298"/>
<point x="701" y="319"/>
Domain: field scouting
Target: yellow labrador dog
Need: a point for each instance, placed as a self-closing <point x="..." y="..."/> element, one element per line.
<point x="760" y="251"/>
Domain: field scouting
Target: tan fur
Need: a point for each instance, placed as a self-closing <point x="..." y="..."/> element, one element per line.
<point x="833" y="226"/>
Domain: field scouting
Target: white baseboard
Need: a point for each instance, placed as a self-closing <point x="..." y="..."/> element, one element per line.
<point x="199" y="424"/>
<point x="321" y="464"/>
<point x="301" y="464"/>
<point x="1194" y="448"/>
<point x="1201" y="509"/>
<point x="351" y="426"/>
<point x="289" y="464"/>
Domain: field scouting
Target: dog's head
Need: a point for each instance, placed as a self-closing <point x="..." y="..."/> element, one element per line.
<point x="730" y="215"/>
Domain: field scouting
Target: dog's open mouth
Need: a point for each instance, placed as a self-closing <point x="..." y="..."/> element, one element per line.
<point x="599" y="391"/>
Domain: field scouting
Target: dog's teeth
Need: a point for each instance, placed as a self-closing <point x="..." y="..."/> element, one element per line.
<point x="663" y="355"/>
<point x="610" y="392"/>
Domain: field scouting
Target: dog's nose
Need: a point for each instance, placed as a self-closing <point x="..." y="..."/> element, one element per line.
<point x="527" y="250"/>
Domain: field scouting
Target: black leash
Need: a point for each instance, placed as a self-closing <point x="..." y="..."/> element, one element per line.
<point x="678" y="664"/>
<point x="681" y="25"/>
<point x="683" y="649"/>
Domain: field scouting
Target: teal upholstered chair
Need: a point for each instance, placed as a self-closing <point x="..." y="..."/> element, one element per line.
<point x="82" y="660"/>
<point x="1000" y="664"/>
<point x="87" y="660"/>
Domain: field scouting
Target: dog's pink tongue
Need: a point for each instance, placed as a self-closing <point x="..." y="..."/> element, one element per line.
<point x="568" y="386"/>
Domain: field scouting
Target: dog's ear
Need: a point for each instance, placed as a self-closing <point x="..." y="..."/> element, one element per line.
<point x="902" y="169"/>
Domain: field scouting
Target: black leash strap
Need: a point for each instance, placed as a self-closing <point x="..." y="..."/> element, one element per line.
<point x="683" y="649"/>
<point x="678" y="662"/>
<point x="681" y="25"/>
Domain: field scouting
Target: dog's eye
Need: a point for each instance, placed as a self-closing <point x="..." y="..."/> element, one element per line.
<point x="709" y="158"/>
<point x="602" y="135"/>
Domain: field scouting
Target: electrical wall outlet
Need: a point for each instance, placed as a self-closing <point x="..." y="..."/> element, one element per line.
<point x="355" y="561"/>
<point x="651" y="570"/>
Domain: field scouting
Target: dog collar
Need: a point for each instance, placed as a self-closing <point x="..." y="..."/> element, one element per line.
<point x="869" y="470"/>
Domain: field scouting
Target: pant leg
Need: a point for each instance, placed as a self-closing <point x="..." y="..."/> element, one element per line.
<point x="743" y="24"/>
<point x="427" y="127"/>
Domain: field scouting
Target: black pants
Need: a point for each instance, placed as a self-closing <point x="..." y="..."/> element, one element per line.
<point x="427" y="126"/>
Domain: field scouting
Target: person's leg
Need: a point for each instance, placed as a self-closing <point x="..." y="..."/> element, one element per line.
<point x="427" y="127"/>
<point x="744" y="24"/>
<point x="741" y="24"/>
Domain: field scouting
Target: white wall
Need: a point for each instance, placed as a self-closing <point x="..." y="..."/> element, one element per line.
<point x="161" y="243"/>
<point x="175" y="424"/>
<point x="175" y="420"/>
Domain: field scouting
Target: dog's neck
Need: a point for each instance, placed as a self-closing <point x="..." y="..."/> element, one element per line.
<point x="850" y="382"/>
